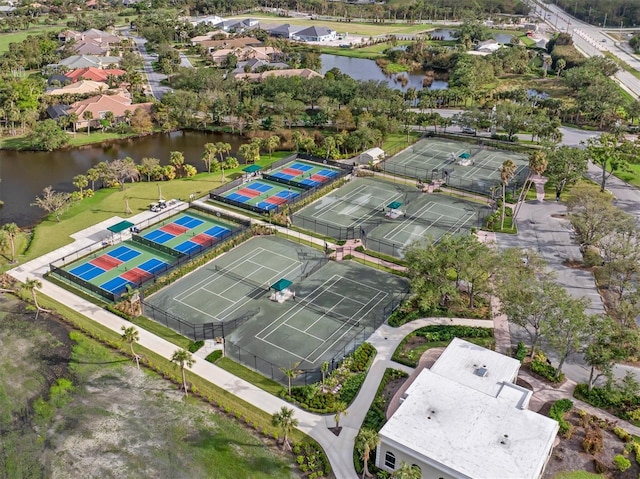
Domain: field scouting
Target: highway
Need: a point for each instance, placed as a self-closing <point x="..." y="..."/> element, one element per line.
<point x="592" y="41"/>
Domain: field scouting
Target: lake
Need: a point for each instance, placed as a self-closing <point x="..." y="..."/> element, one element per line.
<point x="24" y="173"/>
<point x="363" y="69"/>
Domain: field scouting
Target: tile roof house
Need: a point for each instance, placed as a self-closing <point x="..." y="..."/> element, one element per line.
<point x="297" y="72"/>
<point x="91" y="47"/>
<point x="284" y="31"/>
<point x="100" y="105"/>
<point x="247" y="53"/>
<point x="315" y="34"/>
<point x="84" y="61"/>
<point x="92" y="73"/>
<point x="228" y="43"/>
<point x="81" y="87"/>
<point x="465" y="418"/>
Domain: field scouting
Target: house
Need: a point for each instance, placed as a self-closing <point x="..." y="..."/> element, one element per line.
<point x="297" y="72"/>
<point x="247" y="53"/>
<point x="241" y="42"/>
<point x="91" y="47"/>
<point x="315" y="34"/>
<point x="254" y="64"/>
<point x="81" y="87"/>
<point x="284" y="31"/>
<point x="57" y="111"/>
<point x="98" y="106"/>
<point x="92" y="73"/>
<point x="85" y="61"/>
<point x="208" y="20"/>
<point x="466" y="418"/>
<point x="372" y="155"/>
<point x="237" y="26"/>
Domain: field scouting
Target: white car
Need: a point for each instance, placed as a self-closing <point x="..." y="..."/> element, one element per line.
<point x="468" y="131"/>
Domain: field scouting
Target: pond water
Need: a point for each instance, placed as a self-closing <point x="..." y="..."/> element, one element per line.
<point x="24" y="173"/>
<point x="443" y="34"/>
<point x="503" y="38"/>
<point x="363" y="69"/>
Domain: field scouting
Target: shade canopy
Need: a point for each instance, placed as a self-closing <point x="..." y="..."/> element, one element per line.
<point x="281" y="284"/>
<point x="118" y="227"/>
<point x="464" y="155"/>
<point x="252" y="168"/>
<point x="394" y="205"/>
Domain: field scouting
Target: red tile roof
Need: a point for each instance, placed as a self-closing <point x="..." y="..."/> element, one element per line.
<point x="93" y="73"/>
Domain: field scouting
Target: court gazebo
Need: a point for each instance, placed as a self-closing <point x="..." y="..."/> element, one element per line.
<point x="281" y="285"/>
<point x="252" y="168"/>
<point x="464" y="156"/>
<point x="120" y="227"/>
<point x="394" y="205"/>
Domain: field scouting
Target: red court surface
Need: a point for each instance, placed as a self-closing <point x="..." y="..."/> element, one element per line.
<point x="319" y="178"/>
<point x="105" y="262"/>
<point x="276" y="200"/>
<point x="248" y="192"/>
<point x="203" y="239"/>
<point x="174" y="229"/>
<point x="291" y="171"/>
<point x="136" y="275"/>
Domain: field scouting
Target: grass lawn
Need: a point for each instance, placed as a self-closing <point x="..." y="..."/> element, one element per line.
<point x="162" y="331"/>
<point x="250" y="376"/>
<point x="365" y="29"/>
<point x="16" y="37"/>
<point x="413" y="354"/>
<point x="578" y="475"/>
<point x="632" y="177"/>
<point x="75" y="139"/>
<point x="398" y="141"/>
<point x="371" y="52"/>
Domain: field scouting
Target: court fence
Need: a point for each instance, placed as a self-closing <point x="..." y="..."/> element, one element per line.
<point x="217" y="194"/>
<point x="56" y="267"/>
<point x="339" y="354"/>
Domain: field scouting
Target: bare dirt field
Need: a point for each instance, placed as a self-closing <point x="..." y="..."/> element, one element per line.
<point x="117" y="421"/>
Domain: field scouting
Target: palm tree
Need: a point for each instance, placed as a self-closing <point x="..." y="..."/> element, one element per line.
<point x="537" y="165"/>
<point x="324" y="369"/>
<point x="340" y="410"/>
<point x="87" y="115"/>
<point x="176" y="158"/>
<point x="366" y="441"/>
<point x="209" y="154"/>
<point x="223" y="148"/>
<point x="131" y="335"/>
<point x="291" y="372"/>
<point x="11" y="230"/>
<point x="73" y="119"/>
<point x="271" y="144"/>
<point x="184" y="359"/>
<point x="284" y="421"/>
<point x="407" y="471"/>
<point x="506" y="174"/>
<point x="32" y="285"/>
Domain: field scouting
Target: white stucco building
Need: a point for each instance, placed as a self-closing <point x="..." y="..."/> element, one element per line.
<point x="465" y="418"/>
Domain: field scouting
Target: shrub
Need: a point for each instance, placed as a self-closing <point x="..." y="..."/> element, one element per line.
<point x="214" y="356"/>
<point x="540" y="366"/>
<point x="621" y="462"/>
<point x="557" y="411"/>
<point x="622" y="434"/>
<point x="593" y="441"/>
<point x="521" y="351"/>
<point x="351" y="387"/>
<point x="599" y="467"/>
<point x="195" y="345"/>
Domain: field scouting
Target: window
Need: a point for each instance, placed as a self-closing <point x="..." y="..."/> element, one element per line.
<point x="390" y="460"/>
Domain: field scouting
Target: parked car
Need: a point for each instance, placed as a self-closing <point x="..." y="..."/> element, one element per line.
<point x="468" y="131"/>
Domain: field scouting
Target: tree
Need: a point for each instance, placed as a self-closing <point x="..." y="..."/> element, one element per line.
<point x="407" y="471"/>
<point x="131" y="335"/>
<point x="249" y="152"/>
<point x="284" y="421"/>
<point x="324" y="369"/>
<point x="366" y="441"/>
<point x="88" y="116"/>
<point x="611" y="154"/>
<point x="565" y="166"/>
<point x="122" y="170"/>
<point x="340" y="408"/>
<point x="52" y="201"/>
<point x="569" y="328"/>
<point x="271" y="144"/>
<point x="48" y="135"/>
<point x="592" y="214"/>
<point x="507" y="171"/>
<point x="223" y="149"/>
<point x="73" y="119"/>
<point x="93" y="175"/>
<point x="561" y="64"/>
<point x="11" y="230"/>
<point x="209" y="155"/>
<point x="291" y="373"/>
<point x="537" y="166"/>
<point x="512" y="117"/>
<point x="32" y="285"/>
<point x="176" y="158"/>
<point x="141" y="121"/>
<point x="184" y="359"/>
<point x="81" y="182"/>
<point x="148" y="166"/>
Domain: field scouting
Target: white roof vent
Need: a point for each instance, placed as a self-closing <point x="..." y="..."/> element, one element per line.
<point x="482" y="372"/>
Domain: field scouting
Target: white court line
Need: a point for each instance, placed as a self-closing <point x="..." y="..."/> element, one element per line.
<point x="459" y="227"/>
<point x="401" y="225"/>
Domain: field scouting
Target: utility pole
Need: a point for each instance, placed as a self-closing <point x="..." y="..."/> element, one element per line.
<point x="604" y="24"/>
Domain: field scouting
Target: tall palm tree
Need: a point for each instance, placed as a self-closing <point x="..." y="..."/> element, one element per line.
<point x="271" y="144"/>
<point x="32" y="285"/>
<point x="184" y="359"/>
<point x="284" y="421"/>
<point x="73" y="119"/>
<point x="506" y="174"/>
<point x="223" y="149"/>
<point x="131" y="335"/>
<point x="176" y="158"/>
<point x="366" y="441"/>
<point x="340" y="410"/>
<point x="291" y="372"/>
<point x="11" y="230"/>
<point x="87" y="115"/>
<point x="537" y="165"/>
<point x="209" y="154"/>
<point x="407" y="471"/>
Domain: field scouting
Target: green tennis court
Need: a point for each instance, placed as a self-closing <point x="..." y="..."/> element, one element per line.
<point x="460" y="165"/>
<point x="364" y="208"/>
<point x="335" y="304"/>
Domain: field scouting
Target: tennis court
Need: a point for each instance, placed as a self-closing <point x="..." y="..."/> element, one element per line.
<point x="360" y="209"/>
<point x="189" y="232"/>
<point x="262" y="194"/>
<point x="304" y="173"/>
<point x="116" y="267"/>
<point x="334" y="303"/>
<point x="461" y="165"/>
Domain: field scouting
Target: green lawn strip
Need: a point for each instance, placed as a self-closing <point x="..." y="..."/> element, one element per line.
<point x="213" y="394"/>
<point x="577" y="475"/>
<point x="632" y="176"/>
<point x="16" y="37"/>
<point x="161" y="331"/>
<point x="257" y="379"/>
<point x="622" y="64"/>
<point x="373" y="264"/>
<point x="78" y="139"/>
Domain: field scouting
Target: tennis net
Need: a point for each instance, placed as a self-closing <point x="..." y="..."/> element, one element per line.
<point x="326" y="312"/>
<point x="241" y="279"/>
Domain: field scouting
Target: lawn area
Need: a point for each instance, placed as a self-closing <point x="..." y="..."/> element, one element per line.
<point x="578" y="475"/>
<point x="16" y="37"/>
<point x="75" y="139"/>
<point x="250" y="376"/>
<point x="371" y="52"/>
<point x="632" y="176"/>
<point x="365" y="29"/>
<point x="398" y="141"/>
